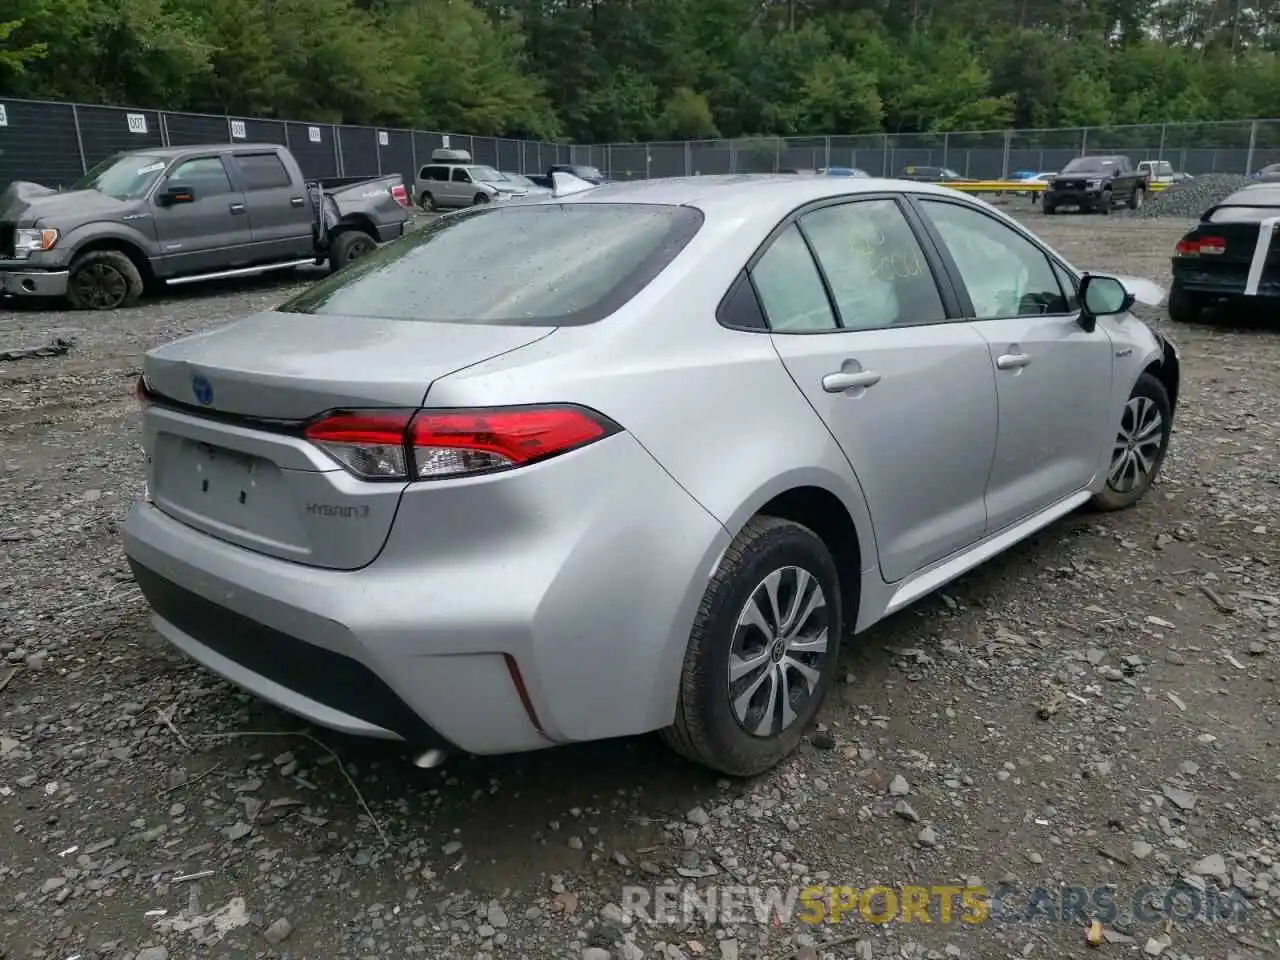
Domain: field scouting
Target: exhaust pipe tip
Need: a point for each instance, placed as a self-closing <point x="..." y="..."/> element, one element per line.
<point x="429" y="759"/>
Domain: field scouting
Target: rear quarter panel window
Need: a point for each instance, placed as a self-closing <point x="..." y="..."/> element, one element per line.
<point x="540" y="265"/>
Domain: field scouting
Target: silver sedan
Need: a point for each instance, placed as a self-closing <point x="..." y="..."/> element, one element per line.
<point x="637" y="458"/>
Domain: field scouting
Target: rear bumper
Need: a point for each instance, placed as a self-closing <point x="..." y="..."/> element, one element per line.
<point x="1223" y="280"/>
<point x="33" y="283"/>
<point x="591" y="598"/>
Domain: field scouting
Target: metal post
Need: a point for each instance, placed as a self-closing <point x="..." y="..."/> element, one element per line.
<point x="688" y="159"/>
<point x="230" y="138"/>
<point x="608" y="161"/>
<point x="1163" y="130"/>
<point x="377" y="146"/>
<point x="885" y="163"/>
<point x="337" y="151"/>
<point x="826" y="152"/>
<point x="777" y="155"/>
<point x="1084" y="141"/>
<point x="1253" y="142"/>
<point x="164" y="127"/>
<point x="75" y="118"/>
<point x="285" y="124"/>
<point x="1004" y="162"/>
<point x="946" y="148"/>
<point x="733" y="156"/>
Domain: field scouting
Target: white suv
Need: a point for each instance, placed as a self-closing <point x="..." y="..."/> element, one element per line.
<point x="452" y="180"/>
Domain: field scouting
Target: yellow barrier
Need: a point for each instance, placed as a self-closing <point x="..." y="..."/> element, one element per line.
<point x="1019" y="186"/>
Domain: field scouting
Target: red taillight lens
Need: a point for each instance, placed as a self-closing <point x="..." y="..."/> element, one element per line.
<point x="436" y="444"/>
<point x="401" y="195"/>
<point x="1199" y="246"/>
<point x="370" y="444"/>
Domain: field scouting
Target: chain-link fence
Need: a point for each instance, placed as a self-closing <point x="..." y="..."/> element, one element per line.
<point x="55" y="143"/>
<point x="1230" y="147"/>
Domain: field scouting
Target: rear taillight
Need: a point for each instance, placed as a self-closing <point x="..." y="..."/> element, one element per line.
<point x="437" y="444"/>
<point x="1201" y="246"/>
<point x="401" y="195"/>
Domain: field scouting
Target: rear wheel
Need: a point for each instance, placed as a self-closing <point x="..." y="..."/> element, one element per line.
<point x="427" y="201"/>
<point x="1184" y="306"/>
<point x="1137" y="199"/>
<point x="762" y="652"/>
<point x="479" y="199"/>
<point x="1105" y="204"/>
<point x="1141" y="442"/>
<point x="349" y="246"/>
<point x="1049" y="208"/>
<point x="103" y="280"/>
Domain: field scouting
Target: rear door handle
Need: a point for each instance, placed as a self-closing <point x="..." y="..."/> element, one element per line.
<point x="842" y="381"/>
<point x="295" y="201"/>
<point x="1012" y="361"/>
<point x="237" y="208"/>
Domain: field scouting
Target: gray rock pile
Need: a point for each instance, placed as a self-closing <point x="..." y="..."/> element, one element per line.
<point x="1190" y="198"/>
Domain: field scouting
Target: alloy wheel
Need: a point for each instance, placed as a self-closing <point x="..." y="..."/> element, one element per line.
<point x="100" y="286"/>
<point x="1137" y="447"/>
<point x="779" y="651"/>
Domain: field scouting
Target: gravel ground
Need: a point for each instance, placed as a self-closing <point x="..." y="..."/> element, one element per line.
<point x="1096" y="709"/>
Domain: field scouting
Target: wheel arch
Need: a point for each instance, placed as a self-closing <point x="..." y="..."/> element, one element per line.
<point x="121" y="245"/>
<point x="1168" y="370"/>
<point x="835" y="511"/>
<point x="355" y="221"/>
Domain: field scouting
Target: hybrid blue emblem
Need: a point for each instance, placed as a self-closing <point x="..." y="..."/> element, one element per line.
<point x="203" y="390"/>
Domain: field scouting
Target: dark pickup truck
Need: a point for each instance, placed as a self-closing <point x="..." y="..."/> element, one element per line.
<point x="179" y="214"/>
<point x="580" y="170"/>
<point x="1096" y="184"/>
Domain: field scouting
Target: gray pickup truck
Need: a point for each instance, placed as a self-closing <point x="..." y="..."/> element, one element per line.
<point x="152" y="218"/>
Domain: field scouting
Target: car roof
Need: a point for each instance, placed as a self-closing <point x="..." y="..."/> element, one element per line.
<point x="734" y="193"/>
<point x="170" y="153"/>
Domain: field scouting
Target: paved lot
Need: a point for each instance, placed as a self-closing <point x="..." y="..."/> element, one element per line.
<point x="1096" y="708"/>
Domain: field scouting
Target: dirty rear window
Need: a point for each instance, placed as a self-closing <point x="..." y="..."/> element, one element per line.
<point x="1243" y="214"/>
<point x="544" y="264"/>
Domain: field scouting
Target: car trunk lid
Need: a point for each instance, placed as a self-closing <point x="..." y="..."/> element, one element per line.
<point x="224" y="418"/>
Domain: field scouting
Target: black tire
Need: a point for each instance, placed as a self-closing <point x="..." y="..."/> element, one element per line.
<point x="1137" y="198"/>
<point x="103" y="280"/>
<point x="349" y="246"/>
<point x="706" y="729"/>
<point x="1049" y="209"/>
<point x="427" y="201"/>
<point x="1184" y="307"/>
<point x="479" y="199"/>
<point x="1105" y="205"/>
<point x="1148" y="393"/>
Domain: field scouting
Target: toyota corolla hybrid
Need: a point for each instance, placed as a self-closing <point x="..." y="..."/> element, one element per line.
<point x="640" y="458"/>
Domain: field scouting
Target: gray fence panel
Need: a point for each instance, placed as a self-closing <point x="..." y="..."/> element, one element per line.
<point x="38" y="142"/>
<point x="106" y="130"/>
<point x="396" y="156"/>
<point x="484" y="150"/>
<point x="358" y="147"/>
<point x="187" y="129"/>
<point x="312" y="145"/>
<point x="260" y="131"/>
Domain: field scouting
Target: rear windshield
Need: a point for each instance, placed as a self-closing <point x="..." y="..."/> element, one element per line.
<point x="1243" y="214"/>
<point x="539" y="265"/>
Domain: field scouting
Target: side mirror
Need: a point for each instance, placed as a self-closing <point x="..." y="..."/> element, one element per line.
<point x="173" y="193"/>
<point x="1102" y="296"/>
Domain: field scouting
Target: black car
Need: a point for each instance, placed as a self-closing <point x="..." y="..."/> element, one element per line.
<point x="1230" y="255"/>
<point x="1096" y="184"/>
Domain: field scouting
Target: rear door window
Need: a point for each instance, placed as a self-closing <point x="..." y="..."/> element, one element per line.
<point x="552" y="265"/>
<point x="262" y="171"/>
